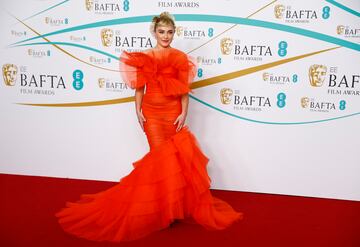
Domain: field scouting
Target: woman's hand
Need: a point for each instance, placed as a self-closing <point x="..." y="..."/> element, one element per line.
<point x="141" y="119"/>
<point x="180" y="120"/>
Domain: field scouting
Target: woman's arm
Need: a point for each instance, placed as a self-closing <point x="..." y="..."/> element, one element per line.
<point x="184" y="109"/>
<point x="139" y="94"/>
<point x="184" y="103"/>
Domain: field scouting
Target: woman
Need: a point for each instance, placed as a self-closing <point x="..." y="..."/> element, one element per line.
<point x="168" y="183"/>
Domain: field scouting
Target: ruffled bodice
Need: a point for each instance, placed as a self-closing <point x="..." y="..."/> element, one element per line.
<point x="169" y="71"/>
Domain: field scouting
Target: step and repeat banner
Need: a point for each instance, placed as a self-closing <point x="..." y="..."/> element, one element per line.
<point x="276" y="102"/>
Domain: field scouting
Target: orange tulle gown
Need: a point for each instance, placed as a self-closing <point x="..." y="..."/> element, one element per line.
<point x="170" y="181"/>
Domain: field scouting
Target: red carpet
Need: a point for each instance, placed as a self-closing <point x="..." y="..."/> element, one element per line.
<point x="28" y="205"/>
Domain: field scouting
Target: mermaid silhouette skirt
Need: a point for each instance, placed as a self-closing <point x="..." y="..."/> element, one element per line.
<point x="169" y="182"/>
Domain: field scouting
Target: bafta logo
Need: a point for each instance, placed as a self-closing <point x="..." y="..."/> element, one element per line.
<point x="106" y="36"/>
<point x="265" y="76"/>
<point x="226" y="45"/>
<point x="317" y="75"/>
<point x="279" y="11"/>
<point x="47" y="20"/>
<point x="225" y="95"/>
<point x="179" y="31"/>
<point x="89" y="4"/>
<point x="340" y="29"/>
<point x="101" y="82"/>
<point x="199" y="59"/>
<point x="304" y="102"/>
<point x="9" y="74"/>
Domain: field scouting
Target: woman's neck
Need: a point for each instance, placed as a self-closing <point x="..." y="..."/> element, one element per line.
<point x="161" y="47"/>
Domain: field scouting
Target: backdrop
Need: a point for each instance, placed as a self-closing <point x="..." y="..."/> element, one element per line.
<point x="275" y="104"/>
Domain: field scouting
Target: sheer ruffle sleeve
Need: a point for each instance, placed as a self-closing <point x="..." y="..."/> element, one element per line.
<point x="136" y="68"/>
<point x="187" y="69"/>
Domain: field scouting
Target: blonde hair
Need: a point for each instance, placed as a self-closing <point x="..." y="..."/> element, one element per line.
<point x="165" y="18"/>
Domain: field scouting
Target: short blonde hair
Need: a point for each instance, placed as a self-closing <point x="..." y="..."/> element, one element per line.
<point x="165" y="19"/>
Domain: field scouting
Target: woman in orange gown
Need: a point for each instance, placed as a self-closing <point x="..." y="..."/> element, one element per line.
<point x="168" y="183"/>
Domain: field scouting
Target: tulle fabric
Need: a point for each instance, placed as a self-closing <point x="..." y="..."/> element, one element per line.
<point x="170" y="69"/>
<point x="169" y="182"/>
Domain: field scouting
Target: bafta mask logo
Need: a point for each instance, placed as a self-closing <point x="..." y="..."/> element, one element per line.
<point x="9" y="74"/>
<point x="225" y="95"/>
<point x="89" y="4"/>
<point x="317" y="75"/>
<point x="304" y="102"/>
<point x="226" y="45"/>
<point x="199" y="59"/>
<point x="179" y="30"/>
<point x="47" y="20"/>
<point x="101" y="82"/>
<point x="279" y="11"/>
<point x="107" y="36"/>
<point x="265" y="76"/>
<point x="340" y="29"/>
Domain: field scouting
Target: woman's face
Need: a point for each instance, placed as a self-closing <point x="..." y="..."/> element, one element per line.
<point x="164" y="35"/>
